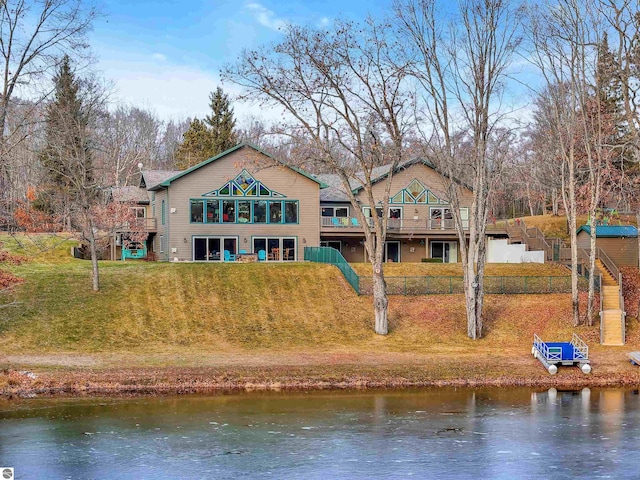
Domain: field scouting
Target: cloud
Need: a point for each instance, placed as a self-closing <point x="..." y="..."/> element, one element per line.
<point x="266" y="17"/>
<point x="323" y="22"/>
<point x="160" y="57"/>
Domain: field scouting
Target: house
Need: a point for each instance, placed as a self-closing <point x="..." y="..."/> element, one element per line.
<point x="619" y="242"/>
<point x="245" y="201"/>
<point x="420" y="221"/>
<point x="240" y="201"/>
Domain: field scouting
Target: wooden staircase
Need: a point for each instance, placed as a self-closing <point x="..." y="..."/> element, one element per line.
<point x="612" y="315"/>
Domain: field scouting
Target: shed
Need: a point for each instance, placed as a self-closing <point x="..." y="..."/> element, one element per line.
<point x="619" y="242"/>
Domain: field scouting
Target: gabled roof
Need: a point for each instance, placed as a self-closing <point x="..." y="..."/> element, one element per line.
<point x="611" y="231"/>
<point x="153" y="178"/>
<point x="335" y="190"/>
<point x="129" y="194"/>
<point x="166" y="182"/>
<point x="380" y="173"/>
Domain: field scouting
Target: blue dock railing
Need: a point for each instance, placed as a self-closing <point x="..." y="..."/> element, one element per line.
<point x="333" y="257"/>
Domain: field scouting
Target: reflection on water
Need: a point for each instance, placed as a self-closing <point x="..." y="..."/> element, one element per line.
<point x="445" y="433"/>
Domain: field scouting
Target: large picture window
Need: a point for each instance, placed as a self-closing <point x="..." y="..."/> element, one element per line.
<point x="213" y="211"/>
<point x="291" y="212"/>
<point x="197" y="211"/>
<point x="260" y="211"/>
<point x="275" y="212"/>
<point x="245" y="211"/>
<point x="228" y="211"/>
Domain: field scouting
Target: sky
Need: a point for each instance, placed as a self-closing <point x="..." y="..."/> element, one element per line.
<point x="165" y="55"/>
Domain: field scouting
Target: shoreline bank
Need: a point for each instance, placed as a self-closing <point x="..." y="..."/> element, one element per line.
<point x="51" y="382"/>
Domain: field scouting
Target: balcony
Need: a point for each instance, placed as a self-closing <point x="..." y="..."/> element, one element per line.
<point x="404" y="225"/>
<point x="140" y="225"/>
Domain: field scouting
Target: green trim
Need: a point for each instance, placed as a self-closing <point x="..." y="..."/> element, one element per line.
<point x="162" y="212"/>
<point x="252" y="201"/>
<point x="234" y="188"/>
<point x="167" y="182"/>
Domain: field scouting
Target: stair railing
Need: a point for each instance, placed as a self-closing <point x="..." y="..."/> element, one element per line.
<point x="608" y="262"/>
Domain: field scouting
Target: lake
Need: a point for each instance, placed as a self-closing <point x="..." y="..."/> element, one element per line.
<point x="435" y="433"/>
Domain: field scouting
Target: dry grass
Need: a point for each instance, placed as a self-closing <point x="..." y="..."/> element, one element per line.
<point x="455" y="269"/>
<point x="556" y="226"/>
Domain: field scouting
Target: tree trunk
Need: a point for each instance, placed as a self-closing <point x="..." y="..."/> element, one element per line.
<point x="572" y="214"/>
<point x="95" y="274"/>
<point x="380" y="301"/>
<point x="638" y="240"/>
<point x="592" y="270"/>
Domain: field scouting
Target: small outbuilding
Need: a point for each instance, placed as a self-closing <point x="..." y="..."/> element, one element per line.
<point x="619" y="242"/>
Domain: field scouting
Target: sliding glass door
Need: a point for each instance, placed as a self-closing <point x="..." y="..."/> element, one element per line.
<point x="211" y="249"/>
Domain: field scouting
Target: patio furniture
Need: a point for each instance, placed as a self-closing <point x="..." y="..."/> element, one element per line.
<point x="229" y="257"/>
<point x="274" y="255"/>
<point x="262" y="255"/>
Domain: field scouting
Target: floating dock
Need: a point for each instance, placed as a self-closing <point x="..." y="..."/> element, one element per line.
<point x="634" y="357"/>
<point x="552" y="354"/>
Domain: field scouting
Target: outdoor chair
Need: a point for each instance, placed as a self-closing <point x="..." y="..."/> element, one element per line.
<point x="243" y="252"/>
<point x="229" y="257"/>
<point x="262" y="255"/>
<point x="274" y="255"/>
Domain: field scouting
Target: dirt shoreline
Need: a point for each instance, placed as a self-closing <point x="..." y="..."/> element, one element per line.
<point x="50" y="382"/>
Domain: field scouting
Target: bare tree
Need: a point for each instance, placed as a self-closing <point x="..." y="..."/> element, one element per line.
<point x="126" y="137"/>
<point x="567" y="35"/>
<point x="342" y="90"/>
<point x="67" y="156"/>
<point x="460" y="69"/>
<point x="34" y="36"/>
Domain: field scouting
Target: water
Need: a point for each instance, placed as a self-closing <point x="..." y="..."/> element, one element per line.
<point x="461" y="434"/>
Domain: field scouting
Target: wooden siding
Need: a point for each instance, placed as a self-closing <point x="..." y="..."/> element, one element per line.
<point x="432" y="181"/>
<point x="163" y="230"/>
<point x="623" y="251"/>
<point x="213" y="176"/>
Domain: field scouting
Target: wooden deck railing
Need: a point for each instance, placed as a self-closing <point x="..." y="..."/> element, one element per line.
<point x="147" y="224"/>
<point x="394" y="224"/>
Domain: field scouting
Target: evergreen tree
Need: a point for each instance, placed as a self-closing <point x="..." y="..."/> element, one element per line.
<point x="196" y="146"/>
<point x="67" y="158"/>
<point x="66" y="155"/>
<point x="209" y="137"/>
<point x="221" y="122"/>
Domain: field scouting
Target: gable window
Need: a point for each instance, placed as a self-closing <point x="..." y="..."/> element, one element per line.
<point x="244" y="185"/>
<point x="415" y="192"/>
